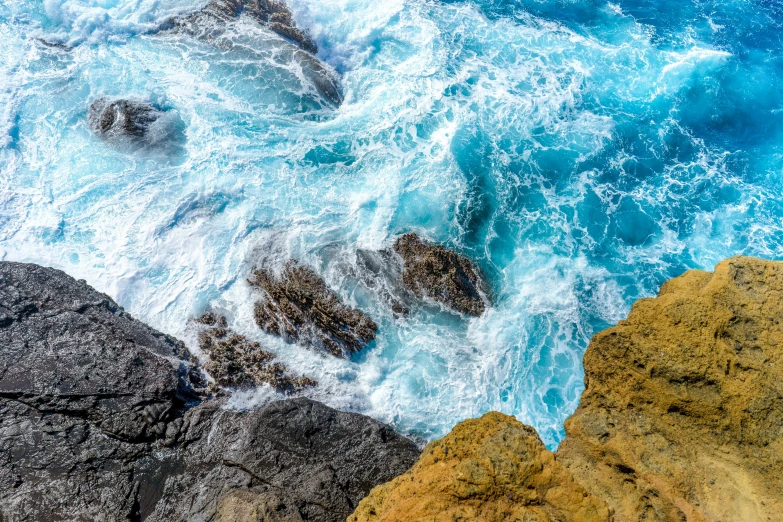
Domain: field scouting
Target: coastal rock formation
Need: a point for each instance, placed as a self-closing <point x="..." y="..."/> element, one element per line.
<point x="681" y="419"/>
<point x="440" y="274"/>
<point x="133" y="123"/>
<point x="492" y="469"/>
<point x="237" y="362"/>
<point x="211" y="23"/>
<point x="682" y="415"/>
<point x="299" y="307"/>
<point x="103" y="418"/>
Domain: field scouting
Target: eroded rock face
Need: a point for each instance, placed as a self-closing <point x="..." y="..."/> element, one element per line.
<point x="682" y="415"/>
<point x="104" y="418"/>
<point x="492" y="469"/>
<point x="681" y="419"/>
<point x="440" y="274"/>
<point x="237" y="362"/>
<point x="299" y="307"/>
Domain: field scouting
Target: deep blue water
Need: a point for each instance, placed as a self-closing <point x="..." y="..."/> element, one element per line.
<point x="582" y="152"/>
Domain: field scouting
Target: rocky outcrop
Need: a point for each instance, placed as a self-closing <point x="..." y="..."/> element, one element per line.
<point x="104" y="418"/>
<point x="435" y="272"/>
<point x="681" y="419"/>
<point x="237" y="362"/>
<point x="270" y="13"/>
<point x="298" y="306"/>
<point x="492" y="469"/>
<point x="133" y="123"/>
<point x="211" y="22"/>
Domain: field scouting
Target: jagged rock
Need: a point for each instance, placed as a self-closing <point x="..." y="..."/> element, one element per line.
<point x="681" y="419"/>
<point x="103" y="418"/>
<point x="682" y="415"/>
<point x="440" y="274"/>
<point x="236" y="361"/>
<point x="210" y="24"/>
<point x="299" y="307"/>
<point x="274" y="15"/>
<point x="133" y="123"/>
<point x="491" y="469"/>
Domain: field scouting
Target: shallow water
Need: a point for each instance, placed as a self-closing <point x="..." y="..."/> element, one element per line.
<point x="582" y="152"/>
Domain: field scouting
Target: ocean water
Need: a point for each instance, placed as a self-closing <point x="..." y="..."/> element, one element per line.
<point x="581" y="152"/>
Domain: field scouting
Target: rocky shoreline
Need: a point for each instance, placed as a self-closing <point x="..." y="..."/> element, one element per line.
<point x="104" y="418"/>
<point x="681" y="420"/>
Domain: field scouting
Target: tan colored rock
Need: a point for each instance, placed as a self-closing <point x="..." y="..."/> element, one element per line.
<point x="493" y="469"/>
<point x="682" y="415"/>
<point x="681" y="420"/>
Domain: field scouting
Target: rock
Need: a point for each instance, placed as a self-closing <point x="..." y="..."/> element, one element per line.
<point x="491" y="469"/>
<point x="299" y="307"/>
<point x="440" y="274"/>
<point x="104" y="418"/>
<point x="295" y="457"/>
<point x="237" y="362"/>
<point x="682" y="415"/>
<point x="210" y="24"/>
<point x="134" y="123"/>
<point x="681" y="419"/>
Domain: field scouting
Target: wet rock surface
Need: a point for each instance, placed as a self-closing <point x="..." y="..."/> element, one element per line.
<point x="134" y="123"/>
<point x="237" y="362"/>
<point x="104" y="418"/>
<point x="435" y="272"/>
<point x="681" y="419"/>
<point x="211" y="23"/>
<point x="298" y="306"/>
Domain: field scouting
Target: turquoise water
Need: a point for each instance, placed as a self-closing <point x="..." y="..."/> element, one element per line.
<point x="582" y="152"/>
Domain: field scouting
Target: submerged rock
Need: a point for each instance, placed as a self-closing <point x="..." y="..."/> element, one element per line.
<point x="299" y="307"/>
<point x="236" y="361"/>
<point x="104" y="418"/>
<point x="211" y="22"/>
<point x="440" y="274"/>
<point x="272" y="14"/>
<point x="133" y="123"/>
<point x="491" y="469"/>
<point x="681" y="419"/>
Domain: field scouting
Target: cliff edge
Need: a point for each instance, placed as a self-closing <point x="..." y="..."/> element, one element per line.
<point x="681" y="420"/>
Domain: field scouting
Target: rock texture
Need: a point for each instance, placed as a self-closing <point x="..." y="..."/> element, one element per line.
<point x="682" y="415"/>
<point x="237" y="362"/>
<point x="211" y="22"/>
<point x="134" y="123"/>
<point x="681" y="420"/>
<point x="492" y="469"/>
<point x="103" y="418"/>
<point x="298" y="306"/>
<point x="433" y="271"/>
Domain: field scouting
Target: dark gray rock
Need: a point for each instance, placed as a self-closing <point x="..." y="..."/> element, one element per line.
<point x="211" y="24"/>
<point x="103" y="418"/>
<point x="298" y="306"/>
<point x="135" y="123"/>
<point x="433" y="271"/>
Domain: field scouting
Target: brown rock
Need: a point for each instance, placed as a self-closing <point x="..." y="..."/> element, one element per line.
<point x="681" y="420"/>
<point x="236" y="361"/>
<point x="442" y="275"/>
<point x="682" y="415"/>
<point x="490" y="469"/>
<point x="299" y="307"/>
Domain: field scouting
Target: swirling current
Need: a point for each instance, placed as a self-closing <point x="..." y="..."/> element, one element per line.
<point x="580" y="151"/>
